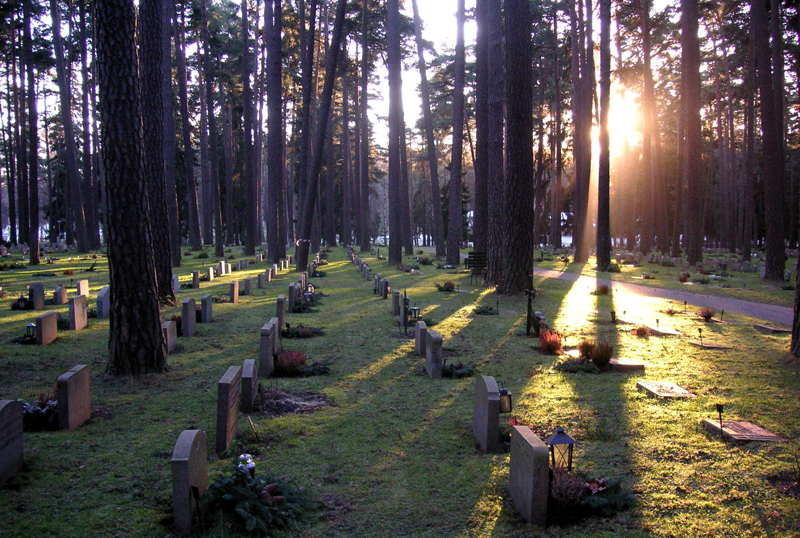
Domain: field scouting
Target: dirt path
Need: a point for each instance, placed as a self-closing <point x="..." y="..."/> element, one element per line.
<point x="762" y="311"/>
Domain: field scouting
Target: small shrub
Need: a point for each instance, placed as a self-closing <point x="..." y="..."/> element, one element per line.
<point x="642" y="331"/>
<point x="670" y="311"/>
<point x="447" y="287"/>
<point x="485" y="310"/>
<point x="601" y="354"/>
<point x="647" y="276"/>
<point x="683" y="277"/>
<point x="69" y="272"/>
<point x="202" y="255"/>
<point x="457" y="370"/>
<point x="613" y="268"/>
<point x="288" y="363"/>
<point x="707" y="313"/>
<point x="425" y="261"/>
<point x="602" y="289"/>
<point x="586" y="347"/>
<point x="702" y="280"/>
<point x="550" y="341"/>
<point x="574" y="366"/>
<point x="301" y="331"/>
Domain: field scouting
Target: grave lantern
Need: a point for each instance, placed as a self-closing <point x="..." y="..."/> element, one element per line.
<point x="560" y="445"/>
<point x="309" y="288"/>
<point x="30" y="330"/>
<point x="413" y="313"/>
<point x="505" y="400"/>
<point x="22" y="302"/>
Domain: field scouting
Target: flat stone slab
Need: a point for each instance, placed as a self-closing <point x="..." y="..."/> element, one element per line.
<point x="767" y="329"/>
<point x="708" y="345"/>
<point x="663" y="389"/>
<point x="741" y="431"/>
<point x="507" y="313"/>
<point x="663" y="331"/>
<point x="625" y="365"/>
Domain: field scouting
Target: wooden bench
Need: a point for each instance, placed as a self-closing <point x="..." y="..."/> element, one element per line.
<point x="476" y="262"/>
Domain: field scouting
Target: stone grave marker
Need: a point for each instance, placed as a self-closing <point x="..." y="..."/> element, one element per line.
<point x="228" y="268"/>
<point x="37" y="295"/>
<point x="529" y="475"/>
<point x="189" y="472"/>
<point x="210" y="274"/>
<point x="292" y="298"/>
<point x="662" y="331"/>
<point x="249" y="384"/>
<point x="206" y="308"/>
<point x="77" y="313"/>
<point x="170" y="331"/>
<point x="746" y="267"/>
<point x="258" y="258"/>
<point x="625" y="365"/>
<point x="176" y="284"/>
<point x="234" y="292"/>
<point x="767" y="329"/>
<point x="281" y="312"/>
<point x="269" y="274"/>
<point x="486" y="414"/>
<point x="228" y="397"/>
<point x="386" y="289"/>
<point x="46" y="328"/>
<point x="248" y="286"/>
<point x="74" y="401"/>
<point x="60" y="295"/>
<point x="266" y="348"/>
<point x="663" y="389"/>
<point x="195" y="280"/>
<point x="260" y="281"/>
<point x="708" y="345"/>
<point x="740" y="431"/>
<point x="104" y="303"/>
<point x="188" y="317"/>
<point x="420" y="338"/>
<point x="276" y="338"/>
<point x="395" y="303"/>
<point x="221" y="269"/>
<point x="433" y="355"/>
<point x="274" y="269"/>
<point x="366" y="272"/>
<point x="10" y="439"/>
<point x="377" y="284"/>
<point x="83" y="287"/>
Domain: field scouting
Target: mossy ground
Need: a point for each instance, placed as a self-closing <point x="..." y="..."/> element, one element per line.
<point x="393" y="455"/>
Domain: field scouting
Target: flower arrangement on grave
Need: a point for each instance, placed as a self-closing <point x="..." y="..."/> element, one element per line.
<point x="575" y="497"/>
<point x="550" y="341"/>
<point x="642" y="331"/>
<point x="302" y="306"/>
<point x="648" y="276"/>
<point x="425" y="261"/>
<point x="601" y="354"/>
<point x="69" y="272"/>
<point x="457" y="370"/>
<point x="602" y="289"/>
<point x="296" y="364"/>
<point x="301" y="331"/>
<point x="42" y="415"/>
<point x="323" y="261"/>
<point x="683" y="277"/>
<point x="318" y="274"/>
<point x="198" y="314"/>
<point x="707" y="313"/>
<point x="178" y="319"/>
<point x="253" y="504"/>
<point x="702" y="280"/>
<point x="485" y="310"/>
<point x="220" y="299"/>
<point x="447" y="287"/>
<point x="21" y="303"/>
<point x="202" y="255"/>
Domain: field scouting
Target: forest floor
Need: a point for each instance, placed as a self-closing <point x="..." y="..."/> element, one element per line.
<point x="392" y="452"/>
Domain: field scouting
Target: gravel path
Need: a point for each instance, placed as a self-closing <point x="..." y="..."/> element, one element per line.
<point x="762" y="311"/>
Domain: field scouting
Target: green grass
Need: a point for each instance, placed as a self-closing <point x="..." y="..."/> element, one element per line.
<point x="394" y="454"/>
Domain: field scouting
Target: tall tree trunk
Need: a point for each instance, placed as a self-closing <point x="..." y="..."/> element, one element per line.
<point x="319" y="136"/>
<point x="347" y="167"/>
<point x="481" y="206"/>
<point x="405" y="201"/>
<point x="356" y="170"/>
<point x="690" y="102"/>
<point x="307" y="47"/>
<point x="395" y="129"/>
<point x="33" y="139"/>
<point x="496" y="173"/>
<point x="433" y="160"/>
<point x="135" y="344"/>
<point x="604" y="176"/>
<point x="13" y="137"/>
<point x="518" y="217"/>
<point x="555" y="212"/>
<point x="193" y="213"/>
<point x="647" y="215"/>
<point x="275" y="154"/>
<point x="455" y="228"/>
<point x="168" y="129"/>
<point x="330" y="215"/>
<point x="251" y="210"/>
<point x="153" y="136"/>
<point x="364" y="239"/>
<point x="22" y="153"/>
<point x="205" y="166"/>
<point x="88" y="198"/>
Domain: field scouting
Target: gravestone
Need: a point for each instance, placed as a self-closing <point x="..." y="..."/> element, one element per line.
<point x="762" y="270"/>
<point x="269" y="274"/>
<point x="274" y="269"/>
<point x="46" y="328"/>
<point x="267" y="347"/>
<point x="433" y="355"/>
<point x="248" y="286"/>
<point x="74" y="402"/>
<point x="625" y="365"/>
<point x="77" y="313"/>
<point x="83" y="287"/>
<point x="395" y="303"/>
<point x="176" y="285"/>
<point x="529" y="475"/>
<point x="206" y="308"/>
<point x="170" y="331"/>
<point x="291" y="298"/>
<point x="486" y="414"/>
<point x="767" y="329"/>
<point x="746" y="267"/>
<point x="740" y="431"/>
<point x="260" y="281"/>
<point x="189" y="477"/>
<point x="420" y="338"/>
<point x="37" y="295"/>
<point x="10" y="439"/>
<point x="234" y="292"/>
<point x="104" y="303"/>
<point x="366" y="272"/>
<point x="195" y="280"/>
<point x="210" y="274"/>
<point x="281" y="312"/>
<point x="258" y="258"/>
<point x="221" y="269"/>
<point x="228" y="397"/>
<point x="663" y="389"/>
<point x="385" y="289"/>
<point x="188" y="317"/>
<point x="60" y="295"/>
<point x="249" y="385"/>
<point x="376" y="284"/>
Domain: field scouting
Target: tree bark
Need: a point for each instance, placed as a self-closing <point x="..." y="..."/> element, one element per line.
<point x="275" y="165"/>
<point x="168" y="129"/>
<point x="136" y="344"/>
<point x="690" y="102"/>
<point x="251" y="209"/>
<point x="395" y="129"/>
<point x="455" y="227"/>
<point x="481" y="201"/>
<point x="496" y="173"/>
<point x="33" y="139"/>
<point x="88" y="195"/>
<point x="347" y="166"/>
<point x="604" y="176"/>
<point x="364" y="239"/>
